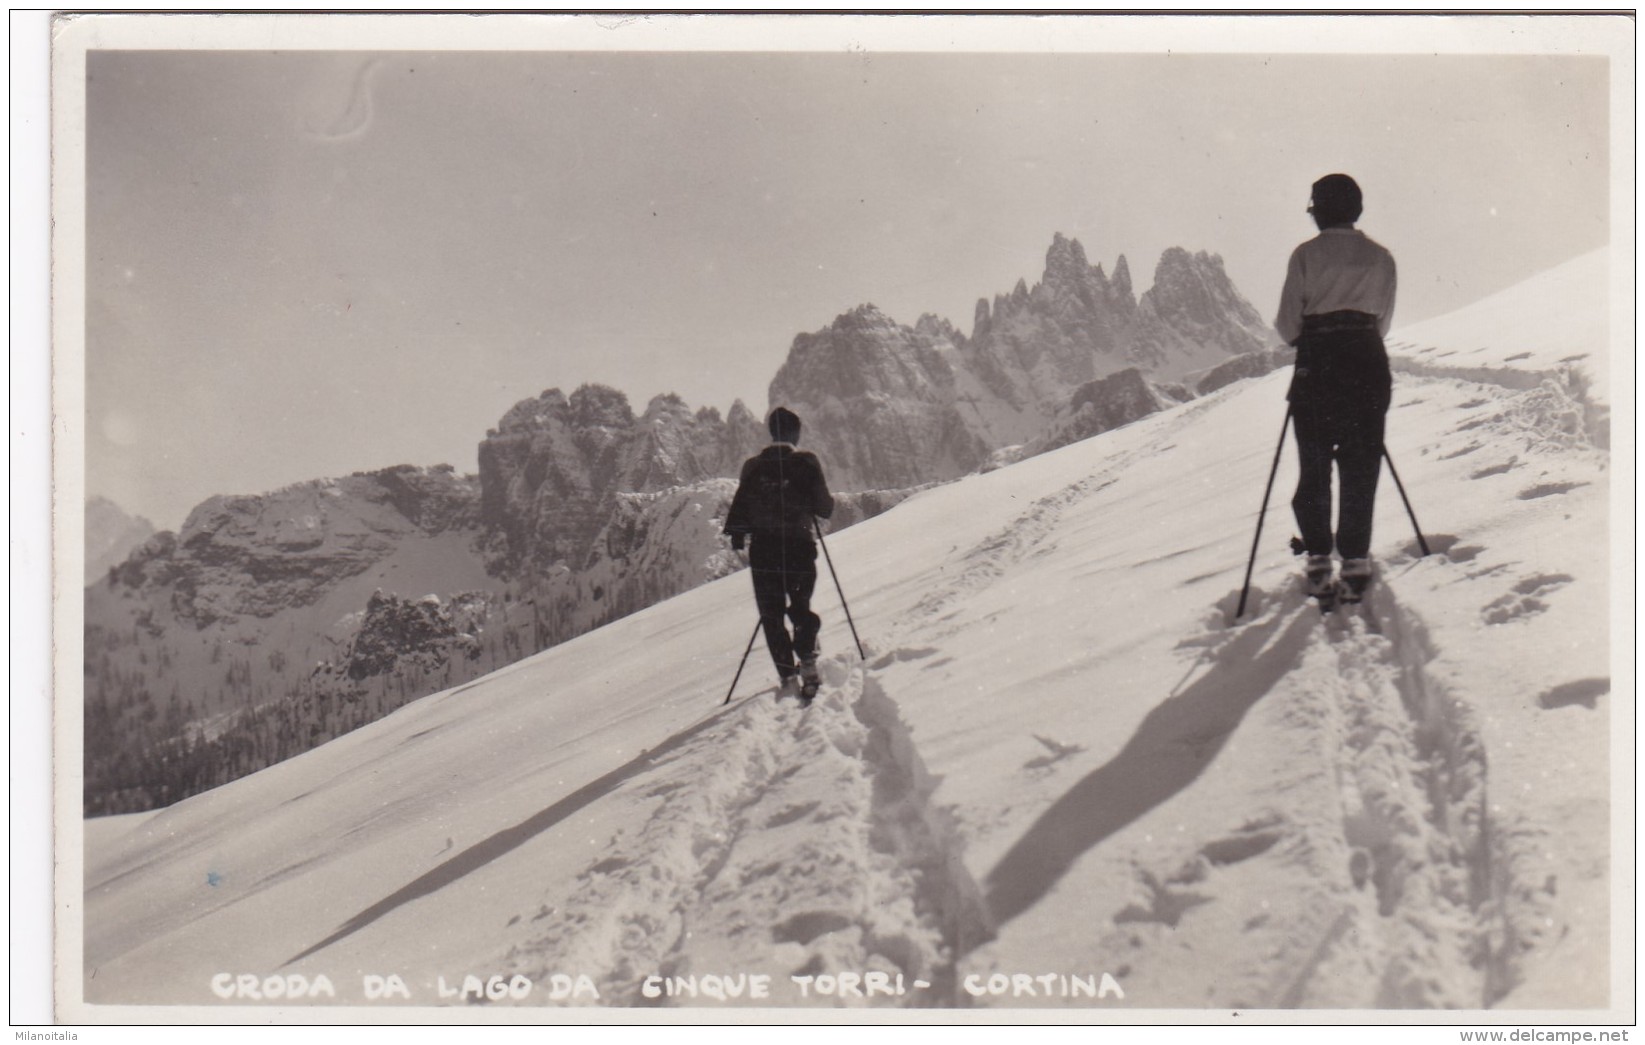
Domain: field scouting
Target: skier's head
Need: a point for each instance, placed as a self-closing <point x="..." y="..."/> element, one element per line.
<point x="784" y="425"/>
<point x="1336" y="200"/>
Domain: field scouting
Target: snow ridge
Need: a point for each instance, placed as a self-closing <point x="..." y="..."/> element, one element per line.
<point x="1561" y="401"/>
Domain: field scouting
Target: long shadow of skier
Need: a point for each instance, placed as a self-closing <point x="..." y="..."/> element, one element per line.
<point x="481" y="853"/>
<point x="1169" y="750"/>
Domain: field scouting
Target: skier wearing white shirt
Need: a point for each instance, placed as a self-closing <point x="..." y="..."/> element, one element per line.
<point x="1336" y="307"/>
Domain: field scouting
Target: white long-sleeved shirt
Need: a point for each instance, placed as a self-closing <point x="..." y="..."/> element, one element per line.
<point x="1340" y="269"/>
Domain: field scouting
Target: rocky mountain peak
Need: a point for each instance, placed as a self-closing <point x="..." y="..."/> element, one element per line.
<point x="861" y="350"/>
<point x="669" y="406"/>
<point x="1197" y="286"/>
<point x="1193" y="318"/>
<point x="1065" y="262"/>
<point x="876" y="399"/>
<point x="864" y="320"/>
<point x="938" y="329"/>
<point x="550" y="471"/>
<point x="1121" y="280"/>
<point x="874" y="383"/>
<point x="111" y="535"/>
<point x="532" y="413"/>
<point x="596" y="406"/>
<point x="253" y="556"/>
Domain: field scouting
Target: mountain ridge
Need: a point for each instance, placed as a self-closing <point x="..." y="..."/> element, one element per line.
<point x="583" y="510"/>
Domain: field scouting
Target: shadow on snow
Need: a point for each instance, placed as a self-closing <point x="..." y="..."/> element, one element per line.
<point x="510" y="838"/>
<point x="1169" y="750"/>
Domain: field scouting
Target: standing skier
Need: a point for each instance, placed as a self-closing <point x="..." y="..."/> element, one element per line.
<point x="1335" y="308"/>
<point x="779" y="492"/>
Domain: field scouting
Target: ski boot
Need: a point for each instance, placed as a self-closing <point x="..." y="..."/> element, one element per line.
<point x="1316" y="578"/>
<point x="810" y="681"/>
<point x="1318" y="584"/>
<point x="1356" y="578"/>
<point x="788" y="687"/>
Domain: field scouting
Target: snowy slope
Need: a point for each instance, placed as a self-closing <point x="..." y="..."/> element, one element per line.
<point x="1058" y="760"/>
<point x="1551" y="322"/>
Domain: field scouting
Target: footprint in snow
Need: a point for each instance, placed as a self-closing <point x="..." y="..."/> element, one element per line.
<point x="1543" y="582"/>
<point x="1522" y="601"/>
<point x="1512" y="607"/>
<point x="1166" y="905"/>
<point x="1055" y="753"/>
<point x="1496" y="469"/>
<point x="1583" y="691"/>
<point x="896" y="655"/>
<point x="1547" y="490"/>
<point x="792" y="813"/>
<point x="1446" y="544"/>
<point x="1239" y="847"/>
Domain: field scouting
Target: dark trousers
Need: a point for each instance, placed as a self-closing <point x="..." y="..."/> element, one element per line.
<point x="785" y="575"/>
<point x="1339" y="403"/>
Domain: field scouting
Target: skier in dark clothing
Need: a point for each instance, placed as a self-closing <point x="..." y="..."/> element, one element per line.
<point x="1335" y="308"/>
<point x="780" y="490"/>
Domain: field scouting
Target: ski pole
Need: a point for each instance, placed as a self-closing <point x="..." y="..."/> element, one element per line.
<point x="1422" y="542"/>
<point x="1263" y="511"/>
<point x="740" y="664"/>
<point x="816" y="525"/>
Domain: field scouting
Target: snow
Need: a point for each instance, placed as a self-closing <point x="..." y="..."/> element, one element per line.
<point x="1506" y="332"/>
<point x="1060" y="764"/>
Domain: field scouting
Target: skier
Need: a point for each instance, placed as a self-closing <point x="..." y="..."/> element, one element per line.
<point x="780" y="490"/>
<point x="1335" y="308"/>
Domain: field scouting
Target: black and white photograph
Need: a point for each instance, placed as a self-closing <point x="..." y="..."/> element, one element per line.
<point x="788" y="518"/>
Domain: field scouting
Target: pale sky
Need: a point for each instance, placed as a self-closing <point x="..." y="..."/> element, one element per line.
<point x="305" y="264"/>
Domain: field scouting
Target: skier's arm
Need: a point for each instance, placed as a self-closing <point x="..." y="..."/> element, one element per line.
<point x="1385" y="318"/>
<point x="822" y="502"/>
<point x="1289" y="320"/>
<point x="736" y="519"/>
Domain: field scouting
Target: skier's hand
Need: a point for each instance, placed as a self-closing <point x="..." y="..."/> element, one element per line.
<point x="736" y="542"/>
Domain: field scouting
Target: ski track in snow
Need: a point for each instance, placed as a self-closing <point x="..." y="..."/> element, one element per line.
<point x="1438" y="916"/>
<point x="1393" y="776"/>
<point x="1411" y="780"/>
<point x="866" y="880"/>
